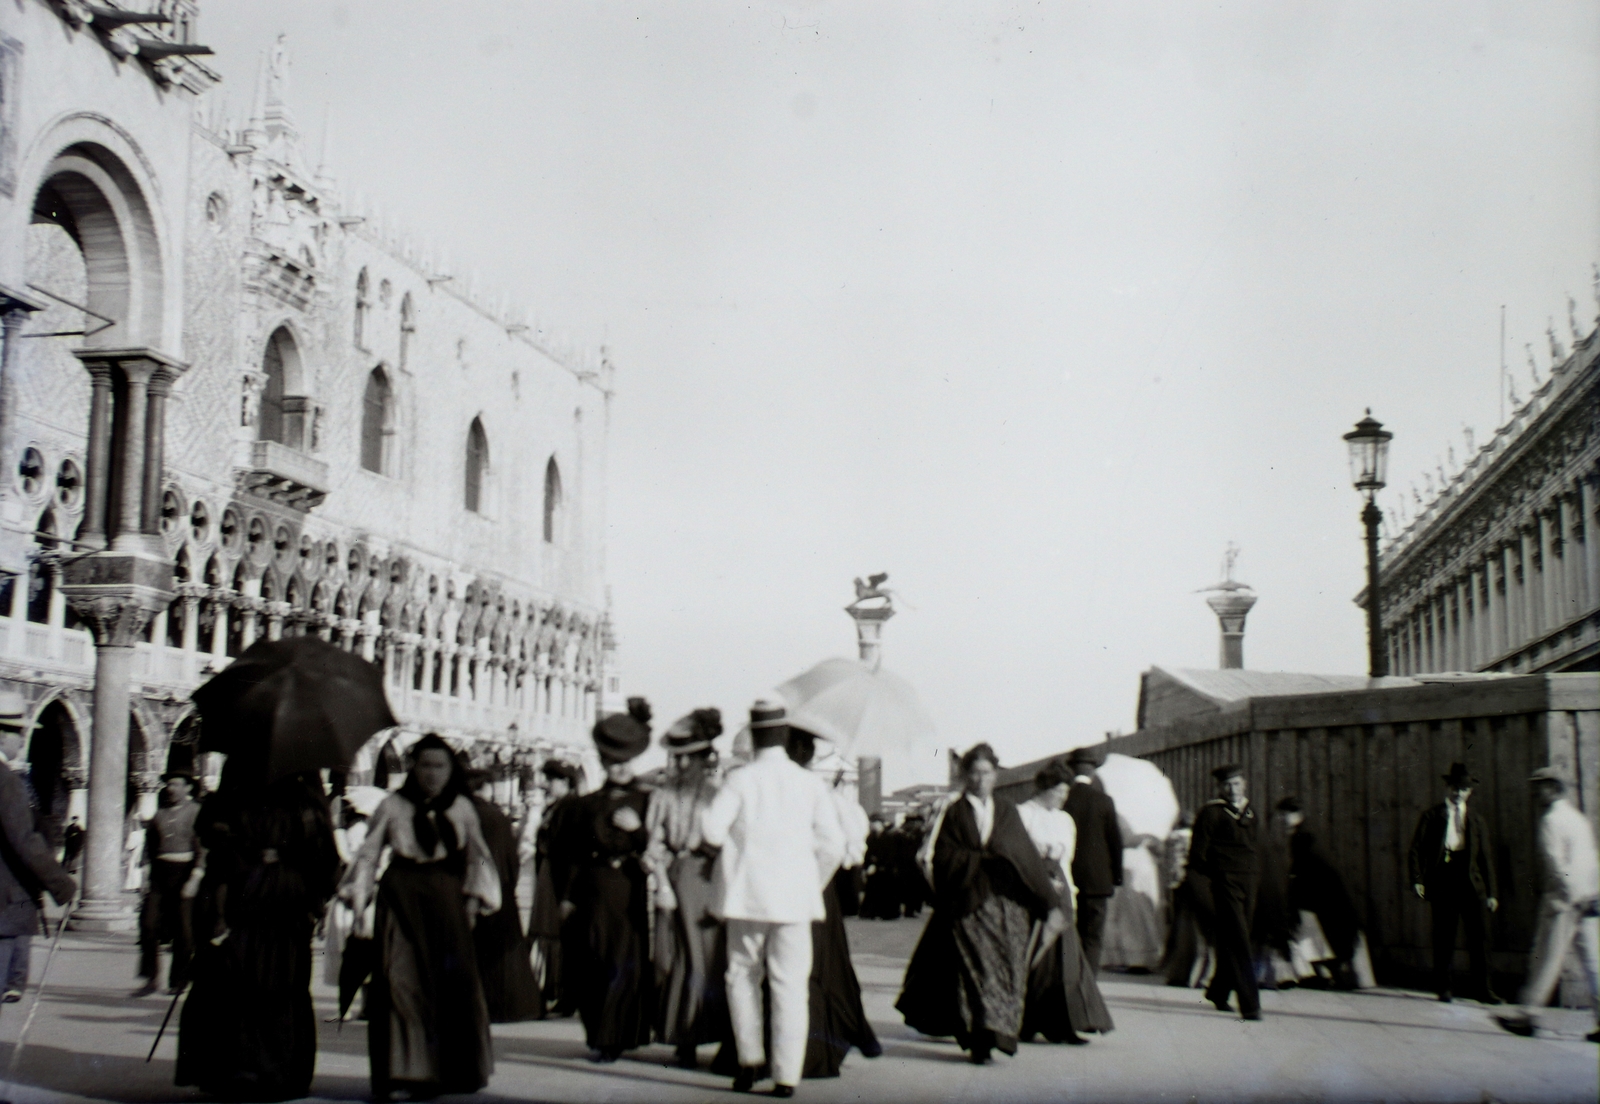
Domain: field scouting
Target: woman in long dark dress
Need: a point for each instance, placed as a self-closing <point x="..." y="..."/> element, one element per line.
<point x="544" y="921"/>
<point x="427" y="1024"/>
<point x="1063" y="996"/>
<point x="606" y="938"/>
<point x="969" y="974"/>
<point x="509" y="988"/>
<point x="691" y="953"/>
<point x="247" y="1031"/>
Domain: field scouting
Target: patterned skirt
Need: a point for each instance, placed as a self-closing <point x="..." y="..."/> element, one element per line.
<point x="992" y="961"/>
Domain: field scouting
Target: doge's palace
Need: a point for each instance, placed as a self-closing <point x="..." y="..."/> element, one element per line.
<point x="232" y="407"/>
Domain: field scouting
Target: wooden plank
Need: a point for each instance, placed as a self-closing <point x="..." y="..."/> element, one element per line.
<point x="1518" y="747"/>
<point x="1414" y="792"/>
<point x="1380" y="891"/>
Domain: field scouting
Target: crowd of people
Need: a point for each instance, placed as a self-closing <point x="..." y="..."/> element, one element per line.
<point x="706" y="910"/>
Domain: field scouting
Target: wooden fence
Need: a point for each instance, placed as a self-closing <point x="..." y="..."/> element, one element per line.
<point x="1366" y="763"/>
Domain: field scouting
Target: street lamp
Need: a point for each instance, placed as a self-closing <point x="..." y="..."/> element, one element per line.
<point x="1369" y="462"/>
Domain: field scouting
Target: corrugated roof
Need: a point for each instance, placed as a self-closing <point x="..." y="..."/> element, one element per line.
<point x="1231" y="685"/>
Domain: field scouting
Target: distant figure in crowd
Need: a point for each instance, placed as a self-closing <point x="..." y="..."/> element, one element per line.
<point x="1097" y="863"/>
<point x="1063" y="997"/>
<point x="881" y="900"/>
<point x="247" y="1031"/>
<point x="691" y="951"/>
<point x="1223" y="855"/>
<point x="1315" y="886"/>
<point x="173" y="856"/>
<point x="1452" y="868"/>
<point x="427" y="1024"/>
<point x="781" y="840"/>
<point x="969" y="974"/>
<point x="545" y="921"/>
<point x="1187" y="962"/>
<point x="852" y="878"/>
<point x="509" y="989"/>
<point x="1272" y="922"/>
<point x="913" y="886"/>
<point x="27" y="866"/>
<point x="1569" y="902"/>
<point x="72" y="845"/>
<point x="606" y="941"/>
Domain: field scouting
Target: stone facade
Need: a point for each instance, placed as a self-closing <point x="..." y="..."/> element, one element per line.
<point x="355" y="445"/>
<point x="1501" y="571"/>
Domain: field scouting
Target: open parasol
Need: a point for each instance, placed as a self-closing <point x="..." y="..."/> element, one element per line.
<point x="301" y="703"/>
<point x="1144" y="796"/>
<point x="861" y="708"/>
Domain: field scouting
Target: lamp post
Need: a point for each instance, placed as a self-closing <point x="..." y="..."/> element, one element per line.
<point x="1369" y="462"/>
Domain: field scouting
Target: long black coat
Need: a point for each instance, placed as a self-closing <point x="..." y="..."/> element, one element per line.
<point x="1427" y="850"/>
<point x="1316" y="886"/>
<point x="1097" y="862"/>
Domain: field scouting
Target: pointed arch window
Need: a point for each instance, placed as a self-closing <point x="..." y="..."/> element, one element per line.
<point x="269" y="425"/>
<point x="363" y="305"/>
<point x="283" y="414"/>
<point x="477" y="465"/>
<point x="552" y="502"/>
<point x="376" y="422"/>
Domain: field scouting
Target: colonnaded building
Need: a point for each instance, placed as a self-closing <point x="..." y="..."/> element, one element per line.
<point x="232" y="408"/>
<point x="1500" y="571"/>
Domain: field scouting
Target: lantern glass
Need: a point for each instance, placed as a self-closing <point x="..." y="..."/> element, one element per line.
<point x="1369" y="454"/>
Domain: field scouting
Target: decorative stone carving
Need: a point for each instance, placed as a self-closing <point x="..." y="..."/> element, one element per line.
<point x="117" y="621"/>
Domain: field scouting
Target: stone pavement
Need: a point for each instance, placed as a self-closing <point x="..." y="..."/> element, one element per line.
<point x="90" y="1042"/>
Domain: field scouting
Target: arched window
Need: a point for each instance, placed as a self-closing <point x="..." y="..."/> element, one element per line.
<point x="552" y="502"/>
<point x="375" y="422"/>
<point x="269" y="425"/>
<point x="363" y="305"/>
<point x="477" y="465"/>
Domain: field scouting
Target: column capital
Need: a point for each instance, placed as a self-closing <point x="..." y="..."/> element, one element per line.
<point x="139" y="360"/>
<point x="118" y="620"/>
<point x="117" y="592"/>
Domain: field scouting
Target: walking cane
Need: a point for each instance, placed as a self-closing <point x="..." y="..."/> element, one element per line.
<point x="38" y="996"/>
<point x="164" y="1021"/>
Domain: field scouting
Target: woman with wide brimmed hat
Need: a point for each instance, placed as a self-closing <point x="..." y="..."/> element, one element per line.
<point x="545" y="921"/>
<point x="604" y="896"/>
<point x="690" y="944"/>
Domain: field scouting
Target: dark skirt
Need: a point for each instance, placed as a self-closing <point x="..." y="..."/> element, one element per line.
<point x="509" y="988"/>
<point x="968" y="977"/>
<point x="247" y="1031"/>
<point x="691" y="960"/>
<point x="427" y="1025"/>
<point x="544" y="936"/>
<point x="1063" y="996"/>
<point x="607" y="948"/>
<point x="880" y="900"/>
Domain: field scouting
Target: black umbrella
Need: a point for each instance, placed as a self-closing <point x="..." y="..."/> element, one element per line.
<point x="304" y="703"/>
<point x="360" y="959"/>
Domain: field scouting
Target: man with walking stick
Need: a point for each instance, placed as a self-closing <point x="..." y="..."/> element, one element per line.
<point x="29" y="866"/>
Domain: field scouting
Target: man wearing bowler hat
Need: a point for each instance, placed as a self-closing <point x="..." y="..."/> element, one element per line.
<point x="1452" y="868"/>
<point x="781" y="839"/>
<point x="172" y="849"/>
<point x="1097" y="860"/>
<point x="1223" y="851"/>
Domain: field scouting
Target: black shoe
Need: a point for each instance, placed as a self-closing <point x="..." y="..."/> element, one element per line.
<point x="783" y="1090"/>
<point x="1221" y="1005"/>
<point x="146" y="989"/>
<point x="1592" y="1037"/>
<point x="687" y="1058"/>
<point x="979" y="1056"/>
<point x="1446" y="997"/>
<point x="606" y="1055"/>
<point x="745" y="1079"/>
<point x="871" y="1050"/>
<point x="1253" y="1014"/>
<point x="1491" y="997"/>
<point x="1517" y="1025"/>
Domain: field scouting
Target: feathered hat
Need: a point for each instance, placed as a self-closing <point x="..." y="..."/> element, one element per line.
<point x="693" y="732"/>
<point x="624" y="736"/>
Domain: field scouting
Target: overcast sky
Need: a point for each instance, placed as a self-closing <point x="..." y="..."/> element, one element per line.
<point x="1036" y="306"/>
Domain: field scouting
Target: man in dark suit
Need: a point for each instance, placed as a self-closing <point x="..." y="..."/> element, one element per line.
<point x="1223" y="854"/>
<point x="1097" y="860"/>
<point x="27" y="865"/>
<point x="1452" y="868"/>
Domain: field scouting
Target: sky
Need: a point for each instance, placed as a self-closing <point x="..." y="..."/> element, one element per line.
<point x="1035" y="306"/>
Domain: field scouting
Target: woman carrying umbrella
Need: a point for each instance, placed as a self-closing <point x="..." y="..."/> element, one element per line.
<point x="969" y="974"/>
<point x="247" y="1031"/>
<point x="428" y="1027"/>
<point x="690" y="943"/>
<point x="1063" y="997"/>
<point x="607" y="937"/>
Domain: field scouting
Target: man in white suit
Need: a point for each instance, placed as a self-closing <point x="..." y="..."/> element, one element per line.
<point x="781" y="840"/>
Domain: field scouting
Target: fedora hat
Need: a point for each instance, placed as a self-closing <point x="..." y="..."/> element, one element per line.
<point x="1459" y="776"/>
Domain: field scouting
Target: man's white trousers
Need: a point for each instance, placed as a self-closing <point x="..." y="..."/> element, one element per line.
<point x="780" y="954"/>
<point x="1560" y="923"/>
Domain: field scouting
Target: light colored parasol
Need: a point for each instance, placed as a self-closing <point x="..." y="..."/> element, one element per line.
<point x="1144" y="796"/>
<point x="859" y="707"/>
